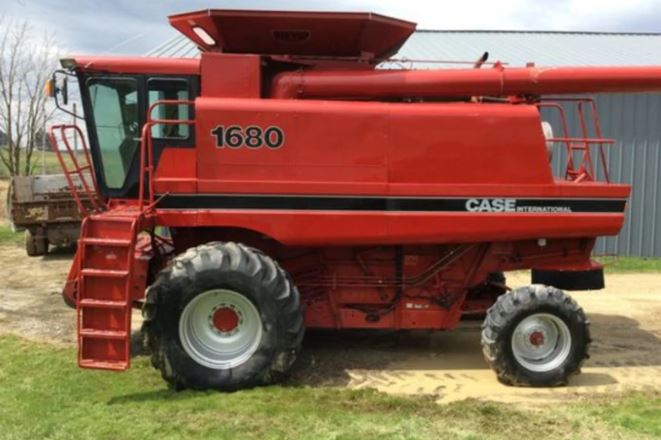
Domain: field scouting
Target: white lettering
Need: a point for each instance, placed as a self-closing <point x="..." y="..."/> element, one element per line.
<point x="491" y="205"/>
<point x="471" y="205"/>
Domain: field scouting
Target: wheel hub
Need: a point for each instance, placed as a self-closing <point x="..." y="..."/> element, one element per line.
<point x="536" y="338"/>
<point x="541" y="342"/>
<point x="220" y="329"/>
<point x="225" y="319"/>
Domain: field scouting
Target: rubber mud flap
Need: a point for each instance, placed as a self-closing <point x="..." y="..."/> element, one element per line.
<point x="570" y="279"/>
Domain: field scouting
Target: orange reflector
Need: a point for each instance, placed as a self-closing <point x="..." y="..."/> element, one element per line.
<point x="49" y="88"/>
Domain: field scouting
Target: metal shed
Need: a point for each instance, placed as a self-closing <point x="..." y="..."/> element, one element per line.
<point x="633" y="120"/>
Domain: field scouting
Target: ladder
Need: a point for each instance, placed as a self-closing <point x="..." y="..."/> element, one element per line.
<point x="107" y="256"/>
<point x="102" y="271"/>
<point x="105" y="276"/>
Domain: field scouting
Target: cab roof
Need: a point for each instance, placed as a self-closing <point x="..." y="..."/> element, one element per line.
<point x="137" y="65"/>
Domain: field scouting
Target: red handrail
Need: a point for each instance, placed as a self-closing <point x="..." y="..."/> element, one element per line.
<point x="585" y="168"/>
<point x="91" y="191"/>
<point x="146" y="151"/>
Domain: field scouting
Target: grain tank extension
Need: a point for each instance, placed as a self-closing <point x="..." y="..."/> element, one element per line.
<point x="282" y="181"/>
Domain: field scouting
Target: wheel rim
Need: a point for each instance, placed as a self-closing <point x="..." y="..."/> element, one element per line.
<point x="220" y="329"/>
<point x="541" y="342"/>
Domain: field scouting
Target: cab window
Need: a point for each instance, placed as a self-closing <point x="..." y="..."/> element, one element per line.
<point x="170" y="89"/>
<point x="114" y="103"/>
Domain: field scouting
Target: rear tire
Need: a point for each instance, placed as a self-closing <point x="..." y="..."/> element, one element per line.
<point x="223" y="316"/>
<point x="535" y="336"/>
<point x="36" y="244"/>
<point x="497" y="278"/>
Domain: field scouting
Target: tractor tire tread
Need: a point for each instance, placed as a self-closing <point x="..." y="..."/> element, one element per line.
<point x="226" y="257"/>
<point x="505" y="314"/>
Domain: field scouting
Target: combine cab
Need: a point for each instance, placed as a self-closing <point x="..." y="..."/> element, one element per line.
<point x="282" y="182"/>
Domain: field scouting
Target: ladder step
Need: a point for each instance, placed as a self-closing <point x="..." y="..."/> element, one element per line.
<point x="102" y="334"/>
<point x="102" y="304"/>
<point x="104" y="273"/>
<point x="106" y="241"/>
<point x="103" y="365"/>
<point x="116" y="217"/>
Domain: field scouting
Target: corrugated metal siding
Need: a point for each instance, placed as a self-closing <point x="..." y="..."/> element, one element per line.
<point x="543" y="48"/>
<point x="634" y="121"/>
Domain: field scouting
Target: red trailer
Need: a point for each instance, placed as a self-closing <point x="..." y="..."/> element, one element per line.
<point x="282" y="181"/>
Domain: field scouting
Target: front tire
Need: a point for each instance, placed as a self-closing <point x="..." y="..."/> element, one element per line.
<point x="535" y="336"/>
<point x="223" y="316"/>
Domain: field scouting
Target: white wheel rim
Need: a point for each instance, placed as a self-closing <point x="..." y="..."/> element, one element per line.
<point x="223" y="346"/>
<point x="541" y="342"/>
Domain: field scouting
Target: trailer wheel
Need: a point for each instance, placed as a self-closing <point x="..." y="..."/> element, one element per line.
<point x="535" y="336"/>
<point x="223" y="316"/>
<point x="36" y="243"/>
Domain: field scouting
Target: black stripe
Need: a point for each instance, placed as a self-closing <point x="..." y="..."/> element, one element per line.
<point x="352" y="203"/>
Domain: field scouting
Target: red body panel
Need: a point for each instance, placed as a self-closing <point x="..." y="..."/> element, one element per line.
<point x="312" y="229"/>
<point x="241" y="75"/>
<point x="371" y="143"/>
<point x="375" y="149"/>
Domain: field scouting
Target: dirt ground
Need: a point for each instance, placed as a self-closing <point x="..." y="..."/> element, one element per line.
<point x="625" y="317"/>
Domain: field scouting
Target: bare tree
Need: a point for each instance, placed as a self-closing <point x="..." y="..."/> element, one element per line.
<point x="25" y="65"/>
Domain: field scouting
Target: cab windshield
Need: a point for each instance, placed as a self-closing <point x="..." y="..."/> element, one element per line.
<point x="114" y="104"/>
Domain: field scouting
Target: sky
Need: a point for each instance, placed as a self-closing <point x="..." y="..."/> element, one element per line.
<point x="136" y="26"/>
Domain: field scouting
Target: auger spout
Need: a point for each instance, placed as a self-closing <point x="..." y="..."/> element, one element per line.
<point x="440" y="83"/>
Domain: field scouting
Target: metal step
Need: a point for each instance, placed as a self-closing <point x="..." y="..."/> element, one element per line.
<point x="106" y="241"/>
<point x="103" y="365"/>
<point x="104" y="273"/>
<point x="102" y="304"/>
<point x="102" y="334"/>
<point x="115" y="217"/>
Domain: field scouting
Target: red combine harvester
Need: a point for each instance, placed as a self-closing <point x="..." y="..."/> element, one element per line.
<point x="282" y="182"/>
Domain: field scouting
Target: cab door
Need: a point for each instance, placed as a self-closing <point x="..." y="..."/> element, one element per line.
<point x="116" y="110"/>
<point x="173" y="144"/>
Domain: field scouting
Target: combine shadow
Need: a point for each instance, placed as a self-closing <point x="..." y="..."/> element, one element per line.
<point x="618" y="341"/>
<point x="328" y="356"/>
